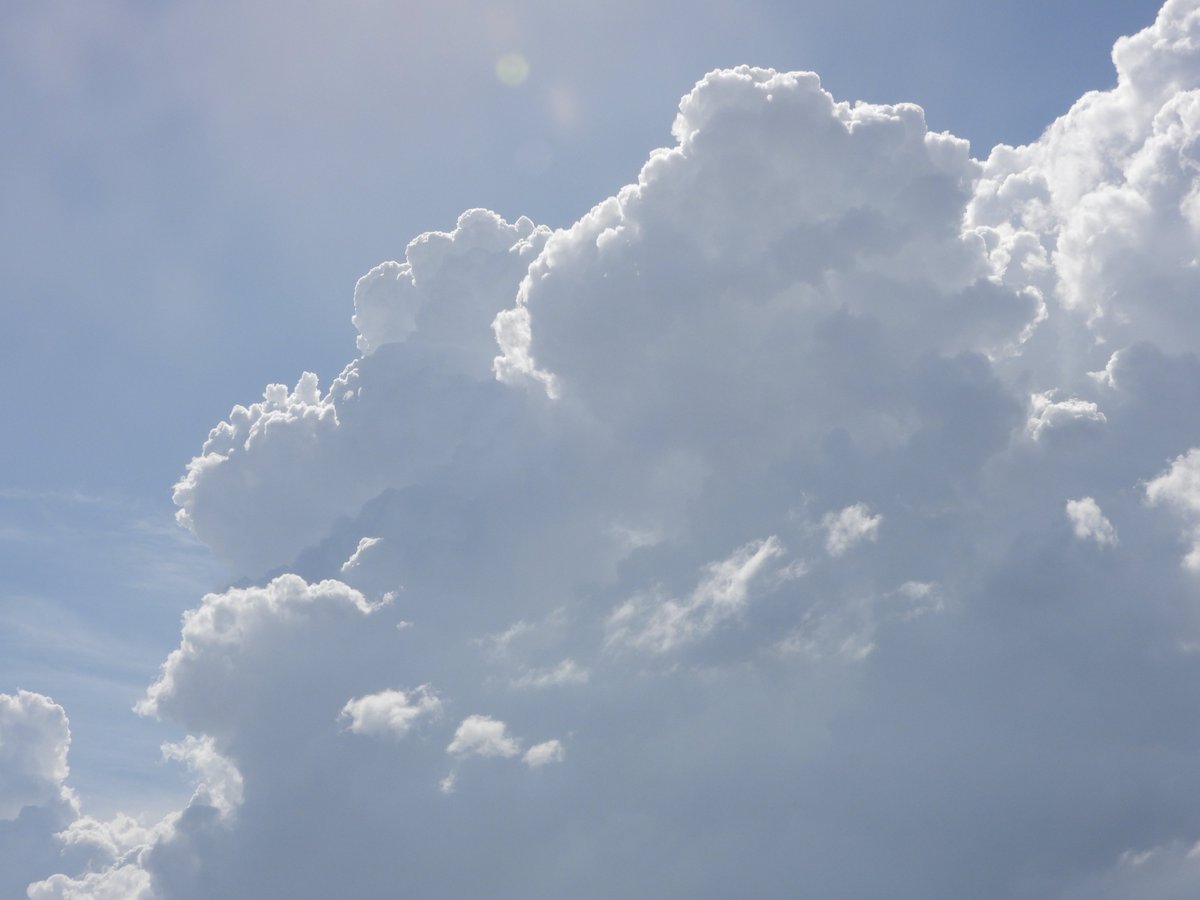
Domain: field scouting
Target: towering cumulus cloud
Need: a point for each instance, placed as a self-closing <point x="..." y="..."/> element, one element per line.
<point x="816" y="516"/>
<point x="35" y="802"/>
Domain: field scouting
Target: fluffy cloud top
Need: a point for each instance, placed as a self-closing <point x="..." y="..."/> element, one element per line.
<point x="124" y="883"/>
<point x="390" y="712"/>
<point x="1089" y="522"/>
<point x="1179" y="488"/>
<point x="483" y="736"/>
<point x="446" y="292"/>
<point x="1049" y="416"/>
<point x="749" y="485"/>
<point x="35" y="802"/>
<point x="1102" y="210"/>
<point x="221" y="637"/>
<point x="544" y="753"/>
<point x="34" y="739"/>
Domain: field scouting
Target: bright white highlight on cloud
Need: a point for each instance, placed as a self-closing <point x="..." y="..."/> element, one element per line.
<point x="355" y="559"/>
<point x="610" y="466"/>
<point x="1089" y="523"/>
<point x="1049" y="415"/>
<point x="390" y="712"/>
<point x="850" y="526"/>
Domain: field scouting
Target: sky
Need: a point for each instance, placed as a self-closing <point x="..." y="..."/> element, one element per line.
<point x="501" y="448"/>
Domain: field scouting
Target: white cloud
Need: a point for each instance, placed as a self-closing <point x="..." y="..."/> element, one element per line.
<point x="431" y="314"/>
<point x="848" y="527"/>
<point x="117" y="859"/>
<point x="390" y="712"/>
<point x="201" y="680"/>
<point x="355" y="559"/>
<point x="483" y="736"/>
<point x="1179" y="488"/>
<point x="566" y="672"/>
<point x="448" y="289"/>
<point x="1166" y="872"/>
<point x="220" y="783"/>
<point x="109" y="840"/>
<point x="129" y="882"/>
<point x="51" y="851"/>
<point x="34" y="740"/>
<point x="1107" y="194"/>
<point x="1048" y="415"/>
<point x="1089" y="522"/>
<point x="660" y="624"/>
<point x="262" y="431"/>
<point x="544" y="753"/>
<point x="759" y="217"/>
<point x="35" y="801"/>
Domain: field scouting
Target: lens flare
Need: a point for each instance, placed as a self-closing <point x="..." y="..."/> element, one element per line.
<point x="512" y="69"/>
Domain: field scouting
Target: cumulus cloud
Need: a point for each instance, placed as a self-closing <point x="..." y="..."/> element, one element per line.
<point x="1179" y="488"/>
<point x="483" y="736"/>
<point x="120" y="857"/>
<point x="448" y="289"/>
<point x="1050" y="416"/>
<point x="390" y="712"/>
<point x="35" y="801"/>
<point x="49" y="850"/>
<point x="34" y="740"/>
<point x="1099" y="213"/>
<point x="425" y="327"/>
<point x="623" y="453"/>
<point x="203" y="679"/>
<point x="125" y="883"/>
<point x="1089" y="522"/>
<point x="848" y="527"/>
<point x="543" y="754"/>
<point x="782" y="216"/>
<point x="220" y="783"/>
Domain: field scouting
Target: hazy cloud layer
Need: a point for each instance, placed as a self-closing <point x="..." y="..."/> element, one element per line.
<point x="759" y="530"/>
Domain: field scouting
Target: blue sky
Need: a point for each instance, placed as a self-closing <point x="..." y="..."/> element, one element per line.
<point x="193" y="191"/>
